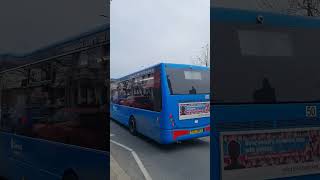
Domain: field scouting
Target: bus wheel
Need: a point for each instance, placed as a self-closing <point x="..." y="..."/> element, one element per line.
<point x="132" y="126"/>
<point x="70" y="175"/>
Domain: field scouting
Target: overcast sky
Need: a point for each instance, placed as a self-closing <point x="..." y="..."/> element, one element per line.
<point x="146" y="32"/>
<point x="29" y="25"/>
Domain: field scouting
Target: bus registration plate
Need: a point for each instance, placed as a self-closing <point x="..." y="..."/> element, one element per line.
<point x="196" y="131"/>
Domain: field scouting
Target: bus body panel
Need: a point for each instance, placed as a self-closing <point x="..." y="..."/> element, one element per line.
<point x="173" y="107"/>
<point x="4" y="155"/>
<point x="28" y="171"/>
<point x="34" y="165"/>
<point x="264" y="116"/>
<point x="123" y="118"/>
<point x="146" y="121"/>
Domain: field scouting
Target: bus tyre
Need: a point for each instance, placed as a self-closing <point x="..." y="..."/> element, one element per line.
<point x="70" y="175"/>
<point x="132" y="126"/>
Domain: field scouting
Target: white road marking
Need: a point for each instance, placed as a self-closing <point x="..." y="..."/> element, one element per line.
<point x="136" y="157"/>
<point x="111" y="135"/>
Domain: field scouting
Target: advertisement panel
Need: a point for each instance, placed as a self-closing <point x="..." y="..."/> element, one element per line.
<point x="268" y="154"/>
<point x="194" y="110"/>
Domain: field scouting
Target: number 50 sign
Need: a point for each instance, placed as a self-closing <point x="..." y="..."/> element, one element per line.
<point x="311" y="111"/>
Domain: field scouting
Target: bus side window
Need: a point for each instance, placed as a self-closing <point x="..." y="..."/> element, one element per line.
<point x="169" y="84"/>
<point x="143" y="91"/>
<point x="157" y="93"/>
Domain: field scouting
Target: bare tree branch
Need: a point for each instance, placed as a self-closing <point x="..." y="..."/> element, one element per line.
<point x="311" y="7"/>
<point x="203" y="59"/>
<point x="293" y="7"/>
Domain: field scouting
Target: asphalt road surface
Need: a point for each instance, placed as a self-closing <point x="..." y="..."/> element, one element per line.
<point x="188" y="160"/>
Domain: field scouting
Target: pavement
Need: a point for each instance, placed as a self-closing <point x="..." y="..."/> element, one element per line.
<point x="117" y="173"/>
<point x="140" y="158"/>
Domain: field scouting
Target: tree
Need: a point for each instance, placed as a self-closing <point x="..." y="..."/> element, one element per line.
<point x="304" y="7"/>
<point x="292" y="7"/>
<point x="203" y="59"/>
<point x="310" y="6"/>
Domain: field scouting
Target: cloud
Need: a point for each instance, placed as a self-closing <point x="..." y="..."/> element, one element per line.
<point x="144" y="32"/>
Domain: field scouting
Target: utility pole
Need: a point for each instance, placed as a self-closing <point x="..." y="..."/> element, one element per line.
<point x="203" y="58"/>
<point x="207" y="55"/>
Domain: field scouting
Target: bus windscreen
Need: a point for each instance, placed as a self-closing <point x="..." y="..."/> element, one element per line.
<point x="265" y="65"/>
<point x="183" y="81"/>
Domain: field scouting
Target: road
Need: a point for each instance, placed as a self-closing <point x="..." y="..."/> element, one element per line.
<point x="187" y="160"/>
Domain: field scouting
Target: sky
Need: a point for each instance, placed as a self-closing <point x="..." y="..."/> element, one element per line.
<point x="29" y="25"/>
<point x="147" y="32"/>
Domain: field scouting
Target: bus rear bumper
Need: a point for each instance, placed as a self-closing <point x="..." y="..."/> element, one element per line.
<point x="174" y="135"/>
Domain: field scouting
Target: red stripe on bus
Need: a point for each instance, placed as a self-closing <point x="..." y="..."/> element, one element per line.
<point x="179" y="133"/>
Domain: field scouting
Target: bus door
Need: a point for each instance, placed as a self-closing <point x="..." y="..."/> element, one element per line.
<point x="265" y="83"/>
<point x="187" y="98"/>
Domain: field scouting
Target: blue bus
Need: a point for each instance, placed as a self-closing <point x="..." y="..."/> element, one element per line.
<point x="166" y="102"/>
<point x="265" y="95"/>
<point x="53" y="115"/>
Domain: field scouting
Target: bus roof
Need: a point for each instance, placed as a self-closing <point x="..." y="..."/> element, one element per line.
<point x="273" y="19"/>
<point x="166" y="64"/>
<point x="100" y="28"/>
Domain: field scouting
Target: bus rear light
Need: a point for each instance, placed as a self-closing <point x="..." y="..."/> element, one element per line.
<point x="178" y="133"/>
<point x="207" y="128"/>
<point x="171" y="120"/>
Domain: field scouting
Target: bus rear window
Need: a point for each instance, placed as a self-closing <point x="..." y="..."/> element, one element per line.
<point x="286" y="75"/>
<point x="188" y="81"/>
